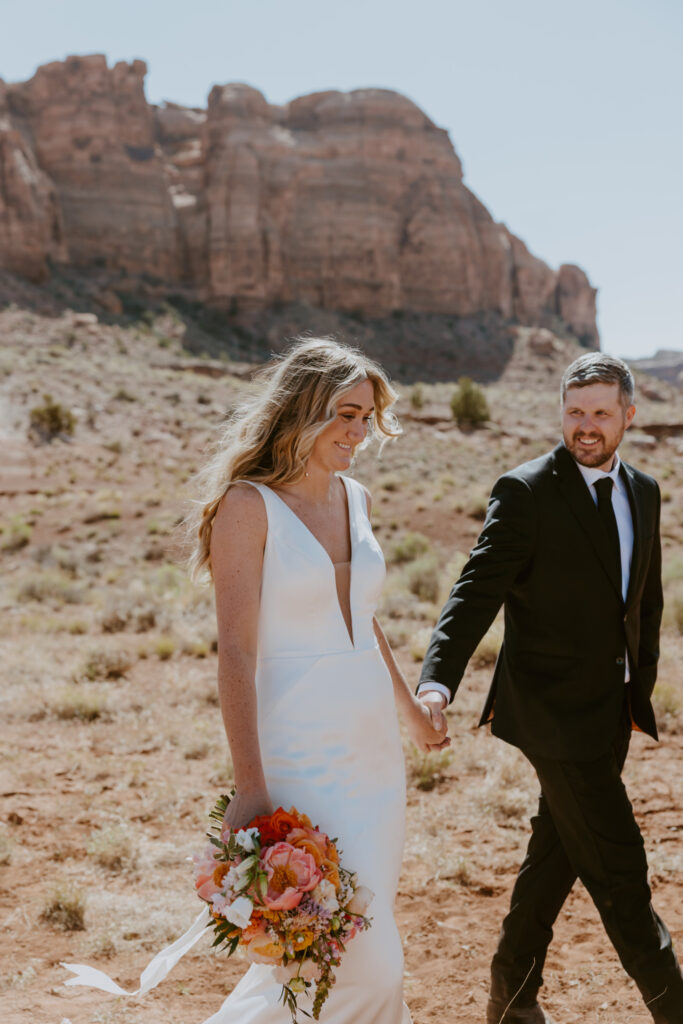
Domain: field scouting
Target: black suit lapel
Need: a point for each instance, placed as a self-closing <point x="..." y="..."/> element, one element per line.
<point x="579" y="499"/>
<point x="632" y="490"/>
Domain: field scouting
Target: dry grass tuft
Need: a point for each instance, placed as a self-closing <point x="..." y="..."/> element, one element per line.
<point x="113" y="848"/>
<point x="65" y="908"/>
<point x="165" y="647"/>
<point x="15" y="534"/>
<point x="409" y="547"/>
<point x="50" y="586"/>
<point x="104" y="664"/>
<point x="489" y="646"/>
<point x="51" y="420"/>
<point x="668" y="705"/>
<point x="427" y="770"/>
<point x="6" y="847"/>
<point x="421" y="577"/>
<point x="74" y="702"/>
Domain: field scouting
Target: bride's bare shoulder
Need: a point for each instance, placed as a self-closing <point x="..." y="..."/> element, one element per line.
<point x="241" y="515"/>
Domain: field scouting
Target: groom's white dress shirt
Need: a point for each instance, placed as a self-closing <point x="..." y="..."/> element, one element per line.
<point x="622" y="513"/>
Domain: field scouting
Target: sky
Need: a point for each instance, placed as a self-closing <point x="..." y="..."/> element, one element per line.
<point x="567" y="116"/>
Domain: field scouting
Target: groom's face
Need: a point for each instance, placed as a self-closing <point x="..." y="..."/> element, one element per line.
<point x="593" y="423"/>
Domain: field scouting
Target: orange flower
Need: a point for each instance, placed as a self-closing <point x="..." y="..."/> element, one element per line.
<point x="274" y="827"/>
<point x="309" y="840"/>
<point x="219" y="873"/>
<point x="302" y="939"/>
<point x="331" y="873"/>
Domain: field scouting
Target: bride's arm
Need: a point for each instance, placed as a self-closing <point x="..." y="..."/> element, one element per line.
<point x="237" y="543"/>
<point x="427" y="725"/>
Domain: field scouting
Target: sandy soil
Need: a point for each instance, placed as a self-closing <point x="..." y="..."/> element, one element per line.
<point x="112" y="745"/>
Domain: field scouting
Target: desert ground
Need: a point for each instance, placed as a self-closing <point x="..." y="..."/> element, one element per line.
<point x="112" y="744"/>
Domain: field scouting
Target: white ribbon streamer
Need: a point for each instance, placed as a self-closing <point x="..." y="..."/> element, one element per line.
<point x="155" y="971"/>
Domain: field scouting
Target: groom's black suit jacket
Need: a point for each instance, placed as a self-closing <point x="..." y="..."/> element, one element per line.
<point x="558" y="685"/>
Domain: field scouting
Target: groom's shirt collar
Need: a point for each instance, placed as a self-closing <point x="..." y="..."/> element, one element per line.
<point x="591" y="475"/>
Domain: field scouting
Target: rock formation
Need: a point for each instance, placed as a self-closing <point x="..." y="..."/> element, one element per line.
<point x="347" y="201"/>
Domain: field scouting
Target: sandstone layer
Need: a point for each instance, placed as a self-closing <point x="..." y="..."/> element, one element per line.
<point x="347" y="201"/>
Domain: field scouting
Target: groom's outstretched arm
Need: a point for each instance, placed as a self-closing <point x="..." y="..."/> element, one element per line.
<point x="504" y="549"/>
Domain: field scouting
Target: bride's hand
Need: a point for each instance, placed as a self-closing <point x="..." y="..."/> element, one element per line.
<point x="427" y="725"/>
<point x="244" y="807"/>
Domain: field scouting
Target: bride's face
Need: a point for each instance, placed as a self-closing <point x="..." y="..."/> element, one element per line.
<point x="334" y="446"/>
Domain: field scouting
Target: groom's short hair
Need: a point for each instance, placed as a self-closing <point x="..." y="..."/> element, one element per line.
<point x="599" y="368"/>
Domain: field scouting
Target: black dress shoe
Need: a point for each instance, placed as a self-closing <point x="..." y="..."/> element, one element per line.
<point x="497" y="1014"/>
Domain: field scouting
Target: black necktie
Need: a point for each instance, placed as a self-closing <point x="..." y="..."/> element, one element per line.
<point x="603" y="489"/>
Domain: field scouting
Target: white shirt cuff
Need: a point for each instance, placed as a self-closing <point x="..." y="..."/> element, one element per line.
<point x="435" y="688"/>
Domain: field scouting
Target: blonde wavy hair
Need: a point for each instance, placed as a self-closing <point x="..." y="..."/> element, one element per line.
<point x="270" y="438"/>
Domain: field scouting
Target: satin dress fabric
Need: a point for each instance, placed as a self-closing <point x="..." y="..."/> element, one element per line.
<point x="331" y="747"/>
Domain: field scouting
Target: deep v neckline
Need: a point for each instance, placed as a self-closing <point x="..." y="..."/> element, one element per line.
<point x="352" y="540"/>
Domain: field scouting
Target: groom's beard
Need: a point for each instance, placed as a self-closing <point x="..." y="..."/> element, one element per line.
<point x="600" y="453"/>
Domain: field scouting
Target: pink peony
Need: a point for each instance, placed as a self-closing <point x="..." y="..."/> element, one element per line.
<point x="290" y="873"/>
<point x="205" y="864"/>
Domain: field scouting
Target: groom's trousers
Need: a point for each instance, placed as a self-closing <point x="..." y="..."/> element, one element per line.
<point x="585" y="828"/>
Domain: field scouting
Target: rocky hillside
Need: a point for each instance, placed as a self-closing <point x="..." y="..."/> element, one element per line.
<point x="351" y="202"/>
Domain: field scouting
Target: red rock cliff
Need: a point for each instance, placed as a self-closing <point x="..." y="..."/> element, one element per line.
<point x="350" y="201"/>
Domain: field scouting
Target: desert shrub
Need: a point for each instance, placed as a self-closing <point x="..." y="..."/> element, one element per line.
<point x="468" y="404"/>
<point x="457" y="870"/>
<point x="51" y="420"/>
<point x="396" y="601"/>
<point x="450" y="575"/>
<point x="421" y="577"/>
<point x="50" y="586"/>
<point x="54" y="555"/>
<point x="65" y="908"/>
<point x="510" y="787"/>
<point x="113" y="848"/>
<point x="417" y="396"/>
<point x="397" y="635"/>
<point x="165" y="647"/>
<point x="427" y="769"/>
<point x="15" y="534"/>
<point x="477" y="505"/>
<point x="419" y="643"/>
<point x="124" y="396"/>
<point x="75" y="702"/>
<point x="197" y="648"/>
<point x="488" y="647"/>
<point x="197" y="751"/>
<point x="673" y="607"/>
<point x="668" y="704"/>
<point x="133" y="613"/>
<point x="389" y="482"/>
<point x="104" y="664"/>
<point x="6" y="846"/>
<point x="410" y="546"/>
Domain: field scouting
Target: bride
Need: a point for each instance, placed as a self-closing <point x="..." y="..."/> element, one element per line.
<point x="308" y="685"/>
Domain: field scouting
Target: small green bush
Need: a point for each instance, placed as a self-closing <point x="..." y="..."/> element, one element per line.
<point x="468" y="404"/>
<point x="421" y="577"/>
<point x="65" y="908"/>
<point x="15" y="535"/>
<point x="417" y="396"/>
<point x="410" y="546"/>
<point x="51" y="420"/>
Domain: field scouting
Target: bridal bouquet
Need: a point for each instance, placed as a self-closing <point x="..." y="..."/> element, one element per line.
<point x="277" y="890"/>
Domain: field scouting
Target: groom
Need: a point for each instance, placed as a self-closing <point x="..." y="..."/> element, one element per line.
<point x="571" y="548"/>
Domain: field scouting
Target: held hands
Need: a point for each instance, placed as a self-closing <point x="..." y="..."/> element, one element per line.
<point x="427" y="725"/>
<point x="245" y="806"/>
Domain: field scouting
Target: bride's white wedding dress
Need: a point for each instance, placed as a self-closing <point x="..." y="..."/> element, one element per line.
<point x="331" y="747"/>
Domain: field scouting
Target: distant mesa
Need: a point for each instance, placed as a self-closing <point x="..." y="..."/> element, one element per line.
<point x="340" y="201"/>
